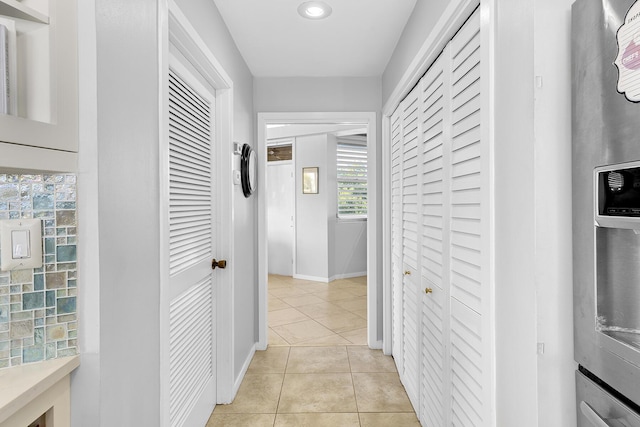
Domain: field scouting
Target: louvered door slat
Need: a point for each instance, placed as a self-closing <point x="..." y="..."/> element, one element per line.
<point x="182" y="165"/>
<point x="466" y="355"/>
<point x="185" y="180"/>
<point x="471" y="71"/>
<point x="189" y="187"/>
<point x="189" y="127"/>
<point x="434" y="228"/>
<point x="191" y="119"/>
<point x="438" y="195"/>
<point x="184" y="107"/>
<point x="185" y="142"/>
<point x="432" y="169"/>
<point x="182" y="159"/>
<point x="191" y="348"/>
<point x="469" y="58"/>
<point x="191" y="379"/>
<point x="410" y="115"/>
<point x="461" y="42"/>
<point x="190" y="97"/>
<point x="396" y="232"/>
<point x="466" y="257"/>
<point x="433" y="360"/>
<point x="467" y="240"/>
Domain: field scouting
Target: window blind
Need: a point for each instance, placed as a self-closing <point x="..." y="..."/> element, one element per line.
<point x="352" y="180"/>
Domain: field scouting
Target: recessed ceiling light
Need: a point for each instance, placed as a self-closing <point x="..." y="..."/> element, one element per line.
<point x="314" y="10"/>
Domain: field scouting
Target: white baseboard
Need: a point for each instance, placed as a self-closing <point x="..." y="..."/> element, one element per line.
<point x="312" y="278"/>
<point x="329" y="279"/>
<point x="245" y="366"/>
<point x="376" y="345"/>
<point x="347" y="275"/>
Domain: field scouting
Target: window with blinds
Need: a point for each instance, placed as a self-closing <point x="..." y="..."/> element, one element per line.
<point x="352" y="180"/>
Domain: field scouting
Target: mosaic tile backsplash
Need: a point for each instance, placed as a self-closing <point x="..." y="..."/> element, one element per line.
<point x="38" y="319"/>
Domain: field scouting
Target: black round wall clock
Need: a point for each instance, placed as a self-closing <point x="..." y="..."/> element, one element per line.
<point x="248" y="170"/>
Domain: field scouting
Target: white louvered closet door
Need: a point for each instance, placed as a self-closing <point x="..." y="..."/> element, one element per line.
<point x="439" y="231"/>
<point x="396" y="235"/>
<point x="192" y="382"/>
<point x="410" y="246"/>
<point x="468" y="244"/>
<point x="434" y="210"/>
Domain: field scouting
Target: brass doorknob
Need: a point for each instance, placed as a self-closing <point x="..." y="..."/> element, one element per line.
<point x="220" y="264"/>
<point x="428" y="291"/>
<point x="407" y="273"/>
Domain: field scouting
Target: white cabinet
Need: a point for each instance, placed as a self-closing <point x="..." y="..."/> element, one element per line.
<point x="41" y="131"/>
<point x="440" y="196"/>
<point x="34" y="391"/>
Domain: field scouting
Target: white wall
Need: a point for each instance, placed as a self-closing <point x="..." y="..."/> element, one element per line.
<point x="128" y="167"/>
<point x="423" y="18"/>
<point x="326" y="94"/>
<point x="118" y="382"/>
<point x="349" y="248"/>
<point x="514" y="215"/>
<point x="533" y="282"/>
<point x="552" y="48"/>
<point x="85" y="390"/>
<point x="346" y="240"/>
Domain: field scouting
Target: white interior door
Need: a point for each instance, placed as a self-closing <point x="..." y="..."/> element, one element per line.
<point x="435" y="148"/>
<point x="280" y="211"/>
<point x="191" y="234"/>
<point x="468" y="240"/>
<point x="439" y="236"/>
<point x="396" y="237"/>
<point x="410" y="248"/>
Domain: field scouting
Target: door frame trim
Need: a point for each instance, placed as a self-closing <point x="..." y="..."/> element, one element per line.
<point x="175" y="29"/>
<point x="370" y="120"/>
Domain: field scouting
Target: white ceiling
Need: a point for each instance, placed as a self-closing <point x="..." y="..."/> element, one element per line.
<point x="356" y="40"/>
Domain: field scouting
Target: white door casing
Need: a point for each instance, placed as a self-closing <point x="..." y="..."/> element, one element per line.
<point x="359" y="118"/>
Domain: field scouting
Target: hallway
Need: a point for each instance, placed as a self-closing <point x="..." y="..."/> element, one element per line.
<point x="318" y="370"/>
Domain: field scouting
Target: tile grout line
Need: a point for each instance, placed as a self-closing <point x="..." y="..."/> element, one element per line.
<point x="353" y="384"/>
<point x="284" y="376"/>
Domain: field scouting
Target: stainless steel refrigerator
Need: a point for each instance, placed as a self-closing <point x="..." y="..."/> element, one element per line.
<point x="606" y="210"/>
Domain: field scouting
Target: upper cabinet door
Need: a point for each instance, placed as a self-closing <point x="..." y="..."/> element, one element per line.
<point x="39" y="100"/>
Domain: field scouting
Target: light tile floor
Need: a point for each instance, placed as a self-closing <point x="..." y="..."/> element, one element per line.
<point x="318" y="371"/>
<point x="308" y="313"/>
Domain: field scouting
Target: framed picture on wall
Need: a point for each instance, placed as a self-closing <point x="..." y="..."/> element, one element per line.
<point x="310" y="180"/>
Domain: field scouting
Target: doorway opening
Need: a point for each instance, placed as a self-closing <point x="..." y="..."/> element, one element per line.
<point x="309" y="187"/>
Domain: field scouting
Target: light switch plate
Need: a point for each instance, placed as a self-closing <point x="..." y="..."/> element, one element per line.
<point x="20" y="244"/>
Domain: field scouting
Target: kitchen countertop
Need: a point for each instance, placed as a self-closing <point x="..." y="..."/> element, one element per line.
<point x="21" y="384"/>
